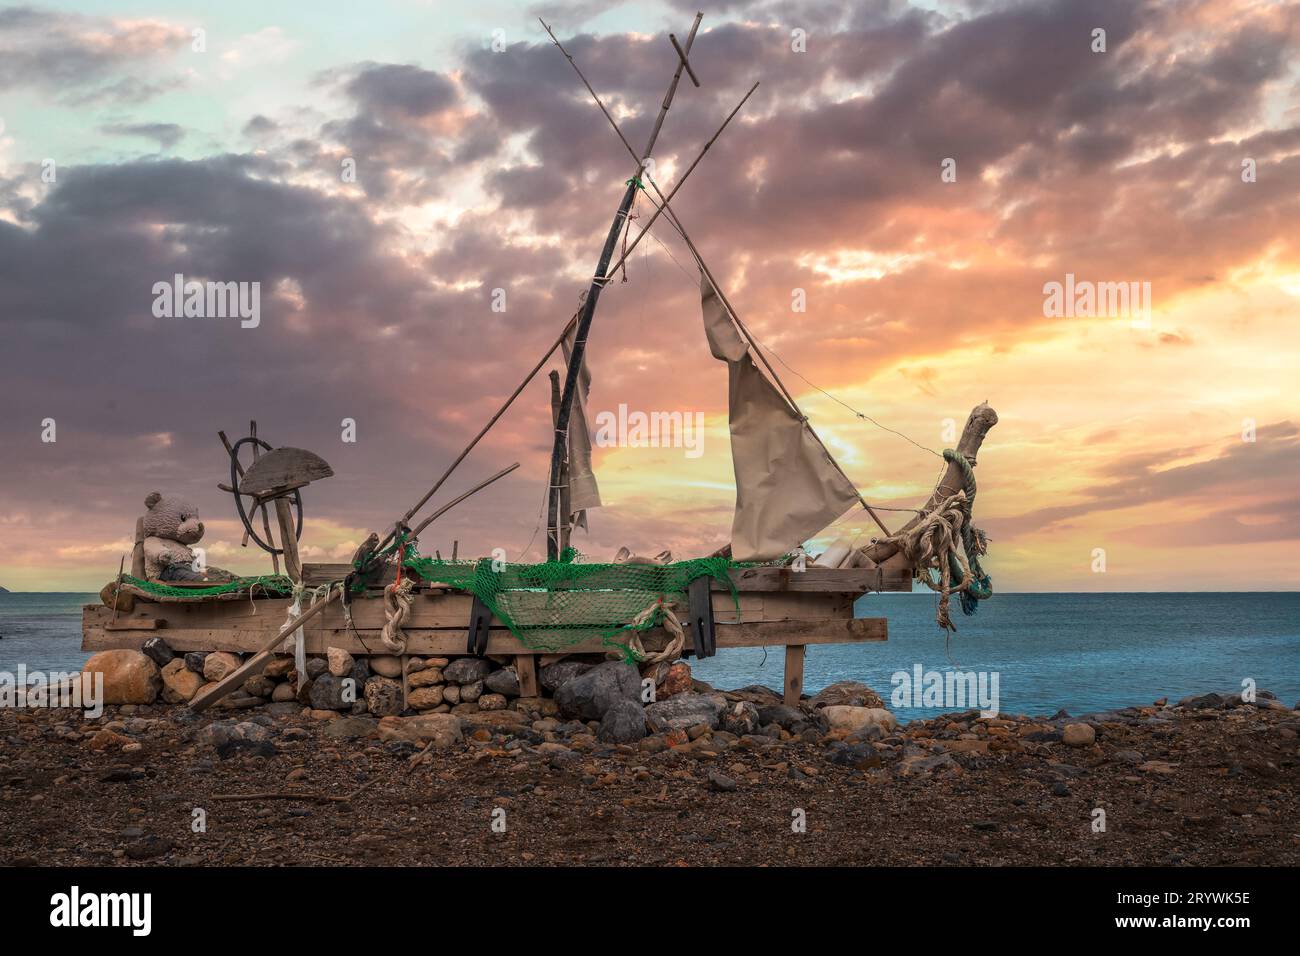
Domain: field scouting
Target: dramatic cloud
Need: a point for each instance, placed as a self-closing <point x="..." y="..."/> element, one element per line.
<point x="61" y="52"/>
<point x="390" y="214"/>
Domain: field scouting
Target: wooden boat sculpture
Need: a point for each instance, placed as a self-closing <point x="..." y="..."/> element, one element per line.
<point x="760" y="590"/>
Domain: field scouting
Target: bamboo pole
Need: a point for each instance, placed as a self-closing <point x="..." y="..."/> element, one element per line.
<point x="559" y="449"/>
<point x="455" y="501"/>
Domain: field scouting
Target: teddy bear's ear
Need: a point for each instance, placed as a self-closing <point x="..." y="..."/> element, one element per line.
<point x="153" y="499"/>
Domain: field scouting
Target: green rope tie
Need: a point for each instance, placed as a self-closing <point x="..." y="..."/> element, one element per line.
<point x="635" y="181"/>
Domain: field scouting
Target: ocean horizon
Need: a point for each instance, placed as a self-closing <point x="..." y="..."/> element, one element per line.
<point x="1080" y="652"/>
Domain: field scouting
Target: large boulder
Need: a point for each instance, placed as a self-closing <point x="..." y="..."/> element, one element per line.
<point x="554" y="676"/>
<point x="220" y="665"/>
<point x="425" y="698"/>
<point x="156" y="650"/>
<point x="339" y="661"/>
<point x="676" y="680"/>
<point x="591" y="693"/>
<point x="441" y="730"/>
<point x="782" y="715"/>
<point x="327" y="693"/>
<point x="383" y="697"/>
<point x="683" y="711"/>
<point x="853" y="719"/>
<point x="623" y="723"/>
<point x="129" y="676"/>
<point x="1078" y="735"/>
<point x="846" y="693"/>
<point x="740" y="718"/>
<point x="278" y="667"/>
<point x="386" y="665"/>
<point x="504" y="681"/>
<point x="428" y="677"/>
<point x="466" y="670"/>
<point x="180" y="684"/>
<point x="756" y="694"/>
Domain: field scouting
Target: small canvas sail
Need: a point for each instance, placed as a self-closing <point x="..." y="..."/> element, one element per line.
<point x="787" y="486"/>
<point x="583" y="493"/>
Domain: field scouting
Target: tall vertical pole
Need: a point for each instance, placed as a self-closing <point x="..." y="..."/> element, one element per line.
<point x="559" y="452"/>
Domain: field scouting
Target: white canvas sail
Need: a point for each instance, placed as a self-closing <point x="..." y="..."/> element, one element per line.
<point x="787" y="486"/>
<point x="583" y="492"/>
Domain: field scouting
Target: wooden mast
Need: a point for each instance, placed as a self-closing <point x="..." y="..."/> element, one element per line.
<point x="559" y="451"/>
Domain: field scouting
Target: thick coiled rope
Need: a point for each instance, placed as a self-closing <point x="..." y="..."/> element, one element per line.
<point x="397" y="607"/>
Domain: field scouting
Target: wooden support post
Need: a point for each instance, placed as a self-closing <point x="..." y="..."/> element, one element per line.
<point x="793" y="674"/>
<point x="406" y="682"/>
<point x="266" y="518"/>
<point x="137" y="551"/>
<point x="480" y="622"/>
<point x="526" y="667"/>
<point x="288" y="539"/>
<point x="701" y="617"/>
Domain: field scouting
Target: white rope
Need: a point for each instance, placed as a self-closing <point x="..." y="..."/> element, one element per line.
<point x="657" y="661"/>
<point x="930" y="543"/>
<point x="397" y="607"/>
<point x="295" y="643"/>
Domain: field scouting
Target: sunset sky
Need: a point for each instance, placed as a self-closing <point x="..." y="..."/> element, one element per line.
<point x="1172" y="158"/>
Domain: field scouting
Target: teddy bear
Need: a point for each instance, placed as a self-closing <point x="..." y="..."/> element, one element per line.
<point x="171" y="525"/>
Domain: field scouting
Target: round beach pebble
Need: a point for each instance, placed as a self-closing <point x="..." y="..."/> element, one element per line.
<point x="1078" y="735"/>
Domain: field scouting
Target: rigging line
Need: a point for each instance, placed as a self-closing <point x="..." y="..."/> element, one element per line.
<point x="671" y="218"/>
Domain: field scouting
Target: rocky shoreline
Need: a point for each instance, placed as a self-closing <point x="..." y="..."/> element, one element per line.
<point x="589" y="776"/>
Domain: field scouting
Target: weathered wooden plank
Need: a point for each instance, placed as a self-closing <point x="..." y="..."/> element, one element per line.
<point x="847" y="580"/>
<point x="451" y="610"/>
<point x="793" y="674"/>
<point x="431" y="642"/>
<point x="283" y="468"/>
<point x="136" y="624"/>
<point x="526" y="667"/>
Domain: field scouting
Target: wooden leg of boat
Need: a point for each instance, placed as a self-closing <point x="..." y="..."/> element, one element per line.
<point x="526" y="667"/>
<point x="793" y="674"/>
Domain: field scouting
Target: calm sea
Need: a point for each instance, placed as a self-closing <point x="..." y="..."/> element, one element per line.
<point x="1080" y="652"/>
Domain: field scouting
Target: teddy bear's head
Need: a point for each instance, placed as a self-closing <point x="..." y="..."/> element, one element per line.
<point x="172" y="518"/>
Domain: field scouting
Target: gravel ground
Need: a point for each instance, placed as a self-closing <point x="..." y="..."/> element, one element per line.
<point x="1212" y="782"/>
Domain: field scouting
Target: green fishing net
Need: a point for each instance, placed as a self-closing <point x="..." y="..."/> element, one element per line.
<point x="275" y="583"/>
<point x="556" y="604"/>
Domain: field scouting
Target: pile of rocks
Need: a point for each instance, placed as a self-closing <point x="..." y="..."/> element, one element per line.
<point x="611" y="699"/>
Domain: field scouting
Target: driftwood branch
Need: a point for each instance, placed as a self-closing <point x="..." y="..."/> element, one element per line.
<point x="982" y="418"/>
